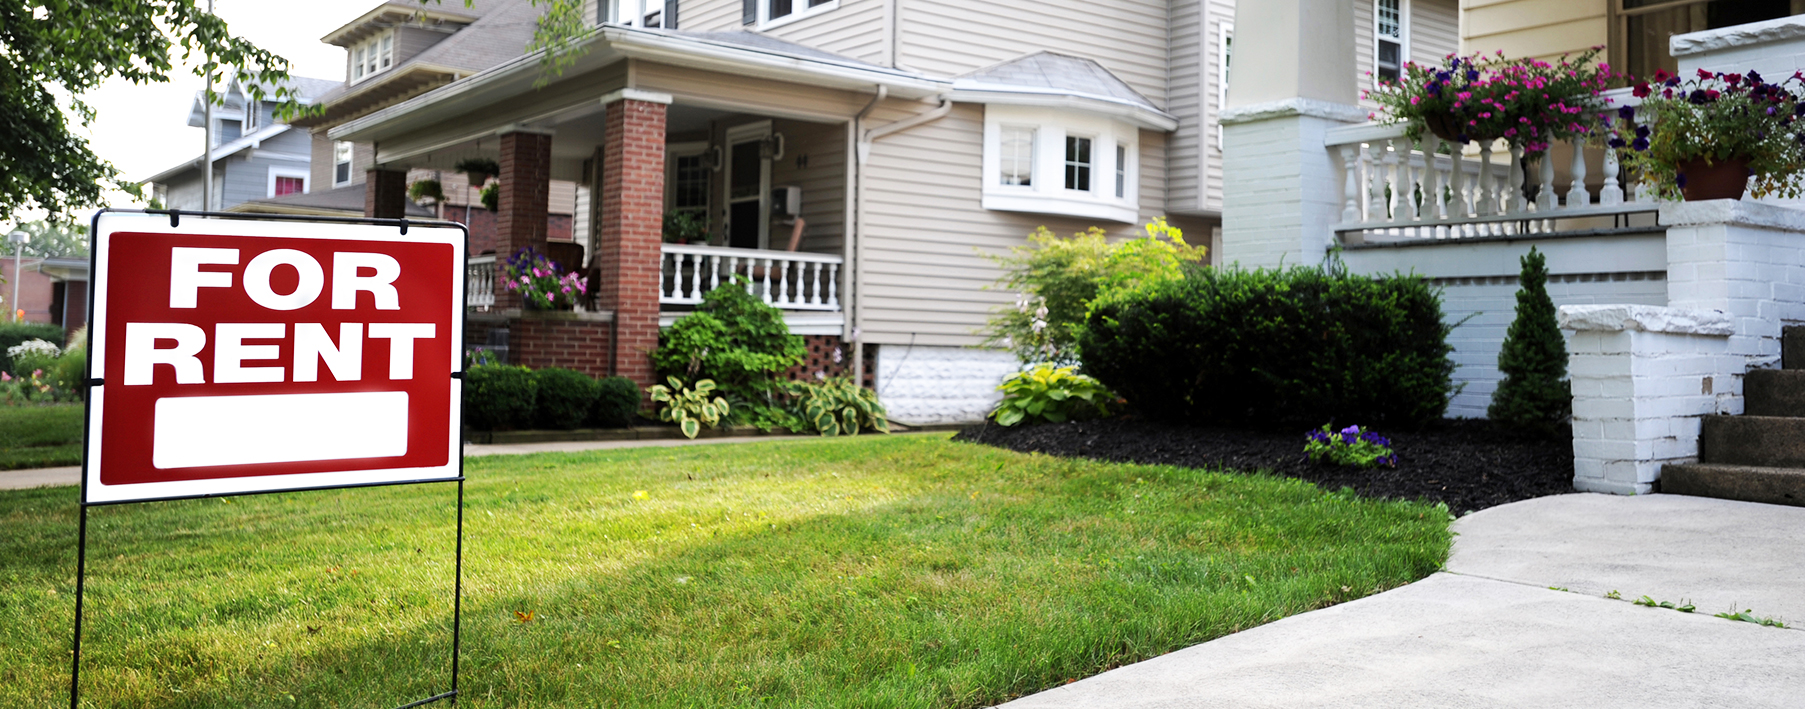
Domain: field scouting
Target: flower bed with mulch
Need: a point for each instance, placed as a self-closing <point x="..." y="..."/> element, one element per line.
<point x="1468" y="464"/>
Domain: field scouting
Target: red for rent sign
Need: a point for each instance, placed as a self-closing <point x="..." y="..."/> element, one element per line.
<point x="251" y="356"/>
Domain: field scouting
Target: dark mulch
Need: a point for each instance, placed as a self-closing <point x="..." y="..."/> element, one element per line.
<point x="1468" y="464"/>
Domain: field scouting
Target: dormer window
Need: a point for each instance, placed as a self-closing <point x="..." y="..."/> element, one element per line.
<point x="372" y="56"/>
<point x="636" y="13"/>
<point x="252" y="119"/>
<point x="771" y="13"/>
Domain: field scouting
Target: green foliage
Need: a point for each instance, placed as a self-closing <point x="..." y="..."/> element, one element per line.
<point x="732" y="338"/>
<point x="685" y="226"/>
<point x="1269" y="347"/>
<point x="1057" y="279"/>
<point x="1748" y="616"/>
<point x="837" y="407"/>
<point x="491" y="196"/>
<point x="50" y="240"/>
<point x="616" y="400"/>
<point x="565" y="398"/>
<point x="1048" y="393"/>
<point x="14" y="334"/>
<point x="500" y="397"/>
<point x="689" y="407"/>
<point x="1350" y="447"/>
<point x="57" y="51"/>
<point x="1534" y="394"/>
<point x="426" y="188"/>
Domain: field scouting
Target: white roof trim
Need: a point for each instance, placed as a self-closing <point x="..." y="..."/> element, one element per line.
<point x="609" y="43"/>
<point x="224" y="150"/>
<point x="967" y="91"/>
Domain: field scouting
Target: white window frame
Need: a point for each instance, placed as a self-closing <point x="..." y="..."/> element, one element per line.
<point x="275" y="172"/>
<point x="253" y="114"/>
<point x="1047" y="194"/>
<point x="996" y="175"/>
<point x="369" y="57"/>
<point x="1403" y="38"/>
<point x="1225" y="37"/>
<point x="765" y="21"/>
<point x="350" y="162"/>
<point x="1095" y="162"/>
<point x="616" y="9"/>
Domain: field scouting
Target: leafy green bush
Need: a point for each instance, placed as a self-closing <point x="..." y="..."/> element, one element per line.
<point x="1534" y="394"/>
<point x="689" y="407"/>
<point x="1048" y="393"/>
<point x="1266" y="347"/>
<point x="14" y="334"/>
<point x="1349" y="447"/>
<point x="837" y="406"/>
<point x="616" y="401"/>
<point x="565" y="398"/>
<point x="732" y="338"/>
<point x="500" y="397"/>
<point x="1057" y="279"/>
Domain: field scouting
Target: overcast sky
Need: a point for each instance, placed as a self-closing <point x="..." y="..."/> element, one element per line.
<point x="144" y="129"/>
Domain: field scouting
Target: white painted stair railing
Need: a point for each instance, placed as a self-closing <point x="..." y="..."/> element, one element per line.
<point x="480" y="285"/>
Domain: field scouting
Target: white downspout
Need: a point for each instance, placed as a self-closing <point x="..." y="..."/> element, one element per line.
<point x="854" y="212"/>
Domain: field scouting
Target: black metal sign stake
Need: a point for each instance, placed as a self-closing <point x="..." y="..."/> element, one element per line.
<point x="81" y="543"/>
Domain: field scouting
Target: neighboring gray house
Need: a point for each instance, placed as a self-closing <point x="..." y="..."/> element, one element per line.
<point x="254" y="155"/>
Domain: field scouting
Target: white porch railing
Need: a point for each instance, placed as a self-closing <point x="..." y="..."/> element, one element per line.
<point x="480" y="286"/>
<point x="786" y="279"/>
<point x="1438" y="189"/>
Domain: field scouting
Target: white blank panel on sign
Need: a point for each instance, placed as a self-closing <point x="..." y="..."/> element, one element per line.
<point x="199" y="431"/>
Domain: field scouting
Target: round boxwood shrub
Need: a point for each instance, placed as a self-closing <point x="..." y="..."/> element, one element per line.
<point x="565" y="398"/>
<point x="1297" y="346"/>
<point x="499" y="397"/>
<point x="616" y="401"/>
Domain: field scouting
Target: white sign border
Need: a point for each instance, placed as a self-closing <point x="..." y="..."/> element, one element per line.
<point x="108" y="222"/>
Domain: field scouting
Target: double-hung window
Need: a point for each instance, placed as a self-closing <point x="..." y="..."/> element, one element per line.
<point x="638" y="13"/>
<point x="1016" y="156"/>
<point x="341" y="163"/>
<point x="1121" y="171"/>
<point x="373" y="55"/>
<point x="1388" y="39"/>
<point x="776" y="12"/>
<point x="1078" y="163"/>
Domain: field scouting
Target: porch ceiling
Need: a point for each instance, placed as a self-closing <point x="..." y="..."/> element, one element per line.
<point x="506" y="98"/>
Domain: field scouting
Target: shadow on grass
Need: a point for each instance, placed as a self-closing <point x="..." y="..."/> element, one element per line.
<point x="889" y="574"/>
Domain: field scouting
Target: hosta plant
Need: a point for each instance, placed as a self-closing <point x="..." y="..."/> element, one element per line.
<point x="1048" y="393"/>
<point x="690" y="408"/>
<point x="838" y="406"/>
<point x="1350" y="447"/>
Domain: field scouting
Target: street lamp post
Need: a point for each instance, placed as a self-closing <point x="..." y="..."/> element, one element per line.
<point x="18" y="239"/>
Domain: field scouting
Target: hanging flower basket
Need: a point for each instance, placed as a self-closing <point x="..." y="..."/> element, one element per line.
<point x="1715" y="136"/>
<point x="1527" y="102"/>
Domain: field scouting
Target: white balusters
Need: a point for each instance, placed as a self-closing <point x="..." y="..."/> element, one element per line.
<point x="1350" y="212"/>
<point x="1403" y="188"/>
<point x="1612" y="193"/>
<point x="833" y="285"/>
<point x="1439" y="210"/>
<point x="1375" y="176"/>
<point x="1577" y="196"/>
<point x="1463" y="199"/>
<point x="1545" y="199"/>
<point x="1513" y="189"/>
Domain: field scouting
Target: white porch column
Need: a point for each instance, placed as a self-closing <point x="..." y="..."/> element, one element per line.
<point x="1287" y="86"/>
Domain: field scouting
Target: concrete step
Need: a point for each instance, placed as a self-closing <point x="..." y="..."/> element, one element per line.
<point x="1774" y="486"/>
<point x="1765" y="441"/>
<point x="1774" y="392"/>
<point x="1792" y="347"/>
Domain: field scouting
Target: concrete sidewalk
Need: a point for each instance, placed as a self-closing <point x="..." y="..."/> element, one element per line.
<point x="50" y="477"/>
<point x="1489" y="632"/>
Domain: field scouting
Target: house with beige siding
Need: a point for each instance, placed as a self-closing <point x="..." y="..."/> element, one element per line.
<point x="858" y="160"/>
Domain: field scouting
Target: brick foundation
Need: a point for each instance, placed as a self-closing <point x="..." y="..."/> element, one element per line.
<point x="581" y="345"/>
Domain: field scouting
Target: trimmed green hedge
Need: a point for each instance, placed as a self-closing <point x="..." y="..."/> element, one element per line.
<point x="1297" y="346"/>
<point x="499" y="396"/>
<point x="616" y="401"/>
<point x="565" y="398"/>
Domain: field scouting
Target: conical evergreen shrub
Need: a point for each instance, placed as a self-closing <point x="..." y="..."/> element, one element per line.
<point x="1534" y="394"/>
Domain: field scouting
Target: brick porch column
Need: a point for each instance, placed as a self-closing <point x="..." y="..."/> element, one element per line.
<point x="631" y="224"/>
<point x="385" y="194"/>
<point x="525" y="194"/>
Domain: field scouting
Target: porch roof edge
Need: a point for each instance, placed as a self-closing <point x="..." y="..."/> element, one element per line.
<point x="608" y="44"/>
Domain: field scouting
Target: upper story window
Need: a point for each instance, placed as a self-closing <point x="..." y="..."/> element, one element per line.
<point x="1078" y="163"/>
<point x="637" y="13"/>
<point x="1015" y="156"/>
<point x="1052" y="161"/>
<point x="253" y="118"/>
<point x="372" y="56"/>
<point x="1388" y="39"/>
<point x="771" y="13"/>
<point x="341" y="163"/>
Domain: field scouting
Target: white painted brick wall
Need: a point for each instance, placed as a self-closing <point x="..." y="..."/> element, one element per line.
<point x="1283" y="195"/>
<point x="923" y="385"/>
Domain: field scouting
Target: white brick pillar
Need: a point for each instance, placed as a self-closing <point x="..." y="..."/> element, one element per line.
<point x="1642" y="376"/>
<point x="1282" y="192"/>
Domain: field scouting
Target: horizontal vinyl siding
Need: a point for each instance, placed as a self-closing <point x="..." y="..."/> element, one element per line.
<point x="411" y="41"/>
<point x="823" y="183"/>
<point x="1533" y="28"/>
<point x="1218" y="13"/>
<point x="953" y="37"/>
<point x="1184" y="100"/>
<point x="1434" y="30"/>
<point x="747" y="94"/>
<point x="925" y="234"/>
<point x="855" y="29"/>
<point x="245" y="181"/>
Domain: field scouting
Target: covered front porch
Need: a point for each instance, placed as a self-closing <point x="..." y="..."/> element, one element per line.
<point x="700" y="160"/>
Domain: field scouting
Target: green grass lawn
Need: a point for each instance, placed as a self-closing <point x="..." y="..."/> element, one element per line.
<point x="40" y="436"/>
<point x="899" y="571"/>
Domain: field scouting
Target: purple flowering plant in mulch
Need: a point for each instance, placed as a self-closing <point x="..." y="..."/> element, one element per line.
<point x="1350" y="446"/>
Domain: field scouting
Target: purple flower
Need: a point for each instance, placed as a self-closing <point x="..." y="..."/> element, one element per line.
<point x="1626" y="112"/>
<point x="1679" y="179"/>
